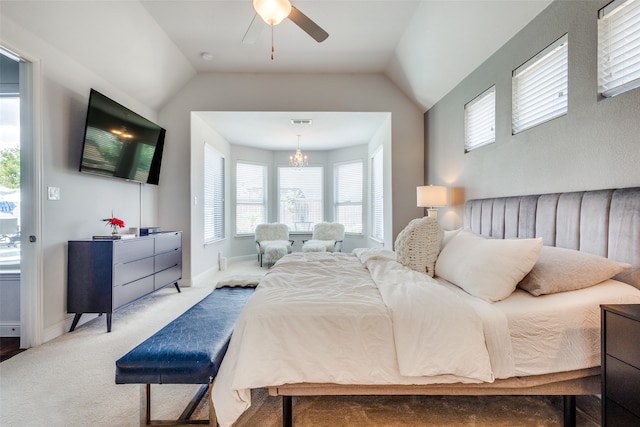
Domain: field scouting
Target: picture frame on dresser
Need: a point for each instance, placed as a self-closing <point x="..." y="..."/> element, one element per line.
<point x="104" y="275"/>
<point x="620" y="365"/>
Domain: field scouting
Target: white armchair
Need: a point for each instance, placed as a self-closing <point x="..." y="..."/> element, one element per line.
<point x="327" y="237"/>
<point x="272" y="240"/>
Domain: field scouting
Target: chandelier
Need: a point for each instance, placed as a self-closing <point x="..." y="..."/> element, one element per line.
<point x="298" y="159"/>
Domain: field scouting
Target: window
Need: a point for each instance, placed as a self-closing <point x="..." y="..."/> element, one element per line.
<point x="540" y="87"/>
<point x="347" y="181"/>
<point x="619" y="47"/>
<point x="377" y="196"/>
<point x="480" y="120"/>
<point x="300" y="197"/>
<point x="251" y="197"/>
<point x="213" y="203"/>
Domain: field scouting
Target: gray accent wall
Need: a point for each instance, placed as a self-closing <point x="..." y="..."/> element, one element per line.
<point x="596" y="145"/>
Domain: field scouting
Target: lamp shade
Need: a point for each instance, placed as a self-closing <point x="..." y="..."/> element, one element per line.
<point x="272" y="11"/>
<point x="429" y="196"/>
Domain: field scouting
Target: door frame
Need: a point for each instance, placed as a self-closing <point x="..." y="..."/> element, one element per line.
<point x="31" y="281"/>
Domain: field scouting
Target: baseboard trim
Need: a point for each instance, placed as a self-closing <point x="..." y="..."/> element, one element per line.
<point x="9" y="329"/>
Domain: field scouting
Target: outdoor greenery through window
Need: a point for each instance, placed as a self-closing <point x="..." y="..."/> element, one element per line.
<point x="251" y="197"/>
<point x="348" y="182"/>
<point x="377" y="196"/>
<point x="540" y="87"/>
<point x="480" y="120"/>
<point x="213" y="203"/>
<point x="300" y="197"/>
<point x="619" y="47"/>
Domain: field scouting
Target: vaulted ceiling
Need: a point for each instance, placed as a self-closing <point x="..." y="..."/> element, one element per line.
<point x="151" y="48"/>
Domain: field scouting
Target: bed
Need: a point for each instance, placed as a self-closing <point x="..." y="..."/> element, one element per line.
<point x="364" y="323"/>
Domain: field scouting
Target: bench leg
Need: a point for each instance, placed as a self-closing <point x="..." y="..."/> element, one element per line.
<point x="145" y="404"/>
<point x="184" y="419"/>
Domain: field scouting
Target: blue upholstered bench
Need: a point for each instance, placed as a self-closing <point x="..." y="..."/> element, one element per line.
<point x="189" y="350"/>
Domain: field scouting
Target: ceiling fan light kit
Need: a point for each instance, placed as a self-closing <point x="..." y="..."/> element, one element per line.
<point x="272" y="12"/>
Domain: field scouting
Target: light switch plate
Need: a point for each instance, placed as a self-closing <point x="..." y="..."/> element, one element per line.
<point x="53" y="193"/>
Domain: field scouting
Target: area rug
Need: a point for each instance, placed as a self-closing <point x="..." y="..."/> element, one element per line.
<point x="414" y="411"/>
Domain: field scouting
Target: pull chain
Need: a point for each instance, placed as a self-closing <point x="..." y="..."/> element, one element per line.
<point x="273" y="49"/>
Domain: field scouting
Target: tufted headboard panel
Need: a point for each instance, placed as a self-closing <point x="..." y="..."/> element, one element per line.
<point x="601" y="222"/>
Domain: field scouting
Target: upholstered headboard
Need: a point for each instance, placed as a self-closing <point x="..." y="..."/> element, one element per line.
<point x="601" y="222"/>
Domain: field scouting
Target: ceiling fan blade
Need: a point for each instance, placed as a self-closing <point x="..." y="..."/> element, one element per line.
<point x="254" y="30"/>
<point x="310" y="27"/>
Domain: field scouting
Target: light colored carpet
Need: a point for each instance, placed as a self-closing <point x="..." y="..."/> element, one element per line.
<point x="69" y="382"/>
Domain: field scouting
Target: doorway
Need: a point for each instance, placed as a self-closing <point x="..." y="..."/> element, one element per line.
<point x="9" y="200"/>
<point x="20" y="208"/>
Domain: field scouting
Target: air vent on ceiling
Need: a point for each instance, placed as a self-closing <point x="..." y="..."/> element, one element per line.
<point x="300" y="121"/>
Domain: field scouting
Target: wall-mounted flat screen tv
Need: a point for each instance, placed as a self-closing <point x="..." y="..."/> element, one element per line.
<point x="120" y="143"/>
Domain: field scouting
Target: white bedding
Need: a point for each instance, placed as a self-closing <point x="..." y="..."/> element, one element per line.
<point x="557" y="332"/>
<point x="560" y="332"/>
<point x="323" y="318"/>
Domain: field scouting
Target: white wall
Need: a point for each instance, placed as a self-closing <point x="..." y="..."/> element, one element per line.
<point x="85" y="199"/>
<point x="595" y="146"/>
<point x="289" y="92"/>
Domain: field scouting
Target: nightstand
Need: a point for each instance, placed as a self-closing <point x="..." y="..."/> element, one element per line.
<point x="620" y="365"/>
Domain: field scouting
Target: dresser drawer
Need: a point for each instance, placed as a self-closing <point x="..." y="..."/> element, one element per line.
<point x="168" y="259"/>
<point x="127" y="250"/>
<point x="622" y="338"/>
<point x="131" y="291"/>
<point x="168" y="241"/>
<point x="623" y="384"/>
<point x="617" y="416"/>
<point x="125" y="273"/>
<point x="165" y="277"/>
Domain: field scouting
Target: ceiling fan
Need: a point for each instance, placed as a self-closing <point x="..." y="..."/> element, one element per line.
<point x="274" y="12"/>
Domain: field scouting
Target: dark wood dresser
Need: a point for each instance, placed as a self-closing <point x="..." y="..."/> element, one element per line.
<point x="104" y="275"/>
<point x="620" y="365"/>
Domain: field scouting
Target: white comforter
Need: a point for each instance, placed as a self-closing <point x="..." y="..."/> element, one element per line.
<point x="355" y="319"/>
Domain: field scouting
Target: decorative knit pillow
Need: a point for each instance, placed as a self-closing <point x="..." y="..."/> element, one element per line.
<point x="418" y="245"/>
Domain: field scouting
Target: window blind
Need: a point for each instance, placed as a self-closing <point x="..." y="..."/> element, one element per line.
<point x="251" y="200"/>
<point x="619" y="47"/>
<point x="300" y="193"/>
<point x="348" y="182"/>
<point x="213" y="204"/>
<point x="480" y="120"/>
<point x="377" y="196"/>
<point x="540" y="87"/>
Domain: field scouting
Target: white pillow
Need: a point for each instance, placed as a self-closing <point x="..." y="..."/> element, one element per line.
<point x="448" y="235"/>
<point x="418" y="244"/>
<point x="560" y="270"/>
<point x="487" y="268"/>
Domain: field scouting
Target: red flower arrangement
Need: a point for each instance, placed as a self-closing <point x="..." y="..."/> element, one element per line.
<point x="115" y="223"/>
